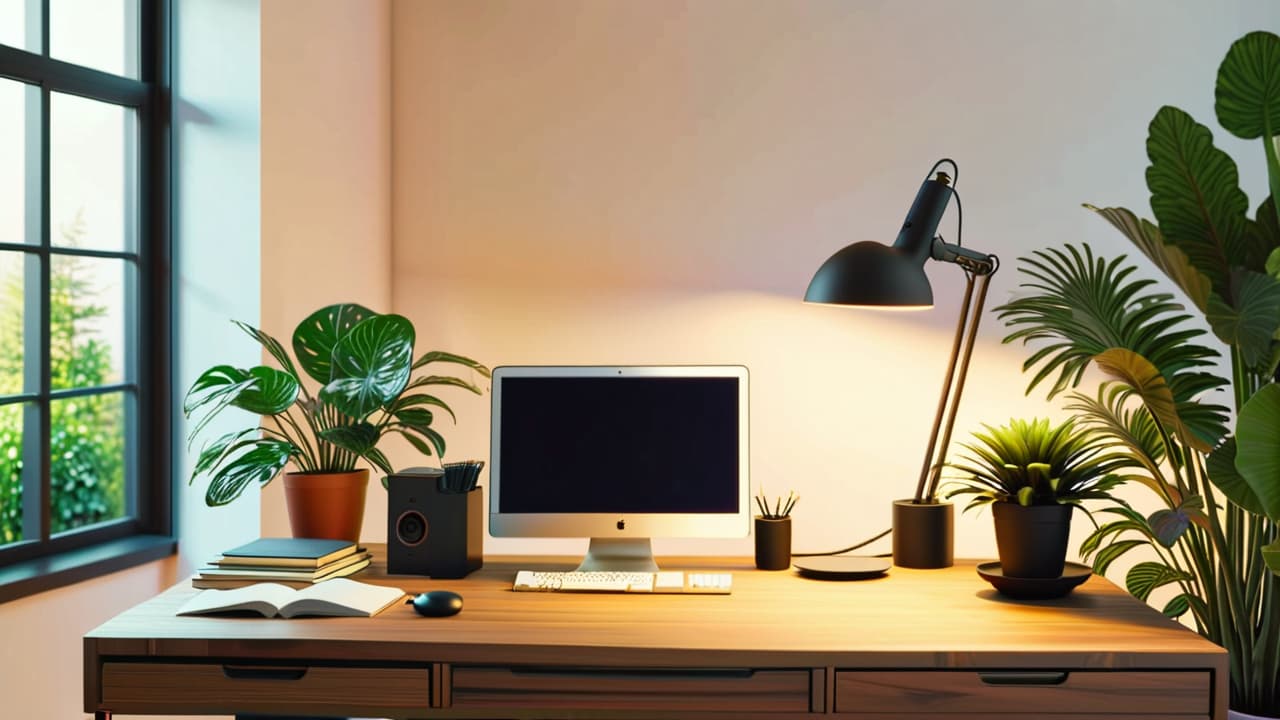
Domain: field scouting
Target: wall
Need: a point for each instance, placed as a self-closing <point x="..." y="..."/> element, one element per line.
<point x="215" y="211"/>
<point x="326" y="174"/>
<point x="588" y="182"/>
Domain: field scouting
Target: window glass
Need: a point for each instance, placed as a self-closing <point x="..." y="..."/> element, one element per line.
<point x="87" y="449"/>
<point x="91" y="153"/>
<point x="20" y="24"/>
<point x="86" y="322"/>
<point x="12" y="468"/>
<point x="101" y="34"/>
<point x="20" y="148"/>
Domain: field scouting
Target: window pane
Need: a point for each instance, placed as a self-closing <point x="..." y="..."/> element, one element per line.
<point x="88" y="460"/>
<point x="86" y="322"/>
<point x="92" y="146"/>
<point x="20" y="24"/>
<point x="20" y="169"/>
<point x="12" y="454"/>
<point x="101" y="34"/>
<point x="19" y="323"/>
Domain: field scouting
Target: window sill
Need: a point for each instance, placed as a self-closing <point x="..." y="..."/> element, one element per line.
<point x="47" y="573"/>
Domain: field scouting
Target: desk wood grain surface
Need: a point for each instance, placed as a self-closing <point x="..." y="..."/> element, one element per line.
<point x="922" y="619"/>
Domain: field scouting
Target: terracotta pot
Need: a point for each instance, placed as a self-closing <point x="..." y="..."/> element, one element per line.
<point x="326" y="505"/>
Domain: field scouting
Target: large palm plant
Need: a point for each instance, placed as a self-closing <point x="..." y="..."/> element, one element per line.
<point x="1214" y="532"/>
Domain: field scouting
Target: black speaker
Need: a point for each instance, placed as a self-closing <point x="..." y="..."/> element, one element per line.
<point x="431" y="532"/>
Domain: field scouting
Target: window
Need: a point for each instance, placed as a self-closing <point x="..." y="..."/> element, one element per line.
<point x="84" y="288"/>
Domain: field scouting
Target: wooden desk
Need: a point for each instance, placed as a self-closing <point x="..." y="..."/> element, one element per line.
<point x="915" y="644"/>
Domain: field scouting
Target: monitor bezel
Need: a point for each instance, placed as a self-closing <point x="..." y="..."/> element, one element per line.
<point x="614" y="525"/>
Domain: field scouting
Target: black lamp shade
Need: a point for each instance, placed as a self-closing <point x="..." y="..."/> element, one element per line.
<point x="871" y="274"/>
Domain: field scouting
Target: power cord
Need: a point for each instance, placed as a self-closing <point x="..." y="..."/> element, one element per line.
<point x="851" y="548"/>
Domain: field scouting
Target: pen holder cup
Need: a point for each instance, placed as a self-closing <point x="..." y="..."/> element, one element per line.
<point x="773" y="543"/>
<point x="923" y="534"/>
<point x="431" y="532"/>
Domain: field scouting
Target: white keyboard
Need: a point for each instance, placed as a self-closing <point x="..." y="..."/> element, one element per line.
<point x="624" y="582"/>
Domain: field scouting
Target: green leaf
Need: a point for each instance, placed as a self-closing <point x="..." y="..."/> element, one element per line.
<point x="272" y="346"/>
<point x="316" y="336"/>
<point x="378" y="460"/>
<point x="439" y="356"/>
<point x="261" y="463"/>
<point x="358" y="438"/>
<point x="272" y="391"/>
<point x="1170" y="259"/>
<point x="214" y="452"/>
<point x="1271" y="555"/>
<point x="1169" y="525"/>
<point x="1082" y="306"/>
<point x="444" y="380"/>
<point x="1149" y="385"/>
<point x="1195" y="195"/>
<point x="1258" y="447"/>
<point x="407" y="401"/>
<point x="417" y="442"/>
<point x="415" y="416"/>
<point x="1253" y="321"/>
<point x="1177" y="606"/>
<point x="371" y="365"/>
<point x="433" y="437"/>
<point x="1221" y="467"/>
<point x="1025" y="494"/>
<point x="1273" y="263"/>
<point x="1145" y="577"/>
<point x="219" y="386"/>
<point x="1112" y="552"/>
<point x="1247" y="96"/>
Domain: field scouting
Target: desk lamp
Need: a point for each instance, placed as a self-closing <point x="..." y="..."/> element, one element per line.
<point x="873" y="275"/>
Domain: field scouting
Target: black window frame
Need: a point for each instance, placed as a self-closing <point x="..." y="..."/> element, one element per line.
<point x="31" y="566"/>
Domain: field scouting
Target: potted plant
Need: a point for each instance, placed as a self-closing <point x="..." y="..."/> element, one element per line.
<point x="364" y="365"/>
<point x="1032" y="474"/>
<point x="1215" y="484"/>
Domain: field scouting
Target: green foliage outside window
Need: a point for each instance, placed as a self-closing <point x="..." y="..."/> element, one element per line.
<point x="86" y="444"/>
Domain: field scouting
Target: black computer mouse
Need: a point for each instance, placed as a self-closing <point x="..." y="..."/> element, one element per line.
<point x="437" y="603"/>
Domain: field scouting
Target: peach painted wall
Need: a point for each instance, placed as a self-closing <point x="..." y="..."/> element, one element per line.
<point x="326" y="174"/>
<point x="655" y="182"/>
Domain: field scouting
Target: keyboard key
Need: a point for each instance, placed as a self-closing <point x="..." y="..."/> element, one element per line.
<point x="624" y="582"/>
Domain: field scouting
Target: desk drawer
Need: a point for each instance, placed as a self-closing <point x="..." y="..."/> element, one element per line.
<point x="177" y="688"/>
<point x="993" y="692"/>
<point x="657" y="689"/>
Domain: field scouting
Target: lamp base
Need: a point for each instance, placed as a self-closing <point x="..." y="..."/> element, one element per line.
<point x="923" y="534"/>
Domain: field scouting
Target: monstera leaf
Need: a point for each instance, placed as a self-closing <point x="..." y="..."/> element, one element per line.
<point x="1196" y="197"/>
<point x="315" y="337"/>
<point x="272" y="391"/>
<point x="371" y="365"/>
<point x="1247" y="96"/>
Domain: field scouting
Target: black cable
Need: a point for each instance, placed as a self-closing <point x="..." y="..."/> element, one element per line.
<point x="845" y="550"/>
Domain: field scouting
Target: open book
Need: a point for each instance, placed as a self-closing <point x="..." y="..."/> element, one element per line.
<point x="339" y="596"/>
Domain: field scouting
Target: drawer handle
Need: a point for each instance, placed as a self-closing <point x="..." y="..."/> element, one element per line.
<point x="241" y="672"/>
<point x="635" y="672"/>
<point x="1023" y="678"/>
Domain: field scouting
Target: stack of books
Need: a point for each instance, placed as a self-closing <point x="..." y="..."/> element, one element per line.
<point x="296" y="562"/>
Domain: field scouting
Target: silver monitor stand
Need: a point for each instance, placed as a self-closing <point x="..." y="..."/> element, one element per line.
<point x="619" y="555"/>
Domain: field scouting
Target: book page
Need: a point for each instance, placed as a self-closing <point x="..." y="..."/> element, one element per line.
<point x="262" y="598"/>
<point x="341" y="596"/>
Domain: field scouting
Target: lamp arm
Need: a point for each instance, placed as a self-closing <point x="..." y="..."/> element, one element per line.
<point x="961" y="352"/>
<point x="978" y="263"/>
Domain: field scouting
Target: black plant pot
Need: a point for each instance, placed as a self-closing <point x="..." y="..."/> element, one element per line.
<point x="1032" y="540"/>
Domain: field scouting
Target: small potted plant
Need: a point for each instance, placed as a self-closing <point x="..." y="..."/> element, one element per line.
<point x="1032" y="474"/>
<point x="364" y="364"/>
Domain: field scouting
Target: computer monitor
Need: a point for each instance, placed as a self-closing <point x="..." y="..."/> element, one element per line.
<point x="619" y="455"/>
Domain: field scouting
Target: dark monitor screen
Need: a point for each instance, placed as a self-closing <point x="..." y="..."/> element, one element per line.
<point x="619" y="445"/>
